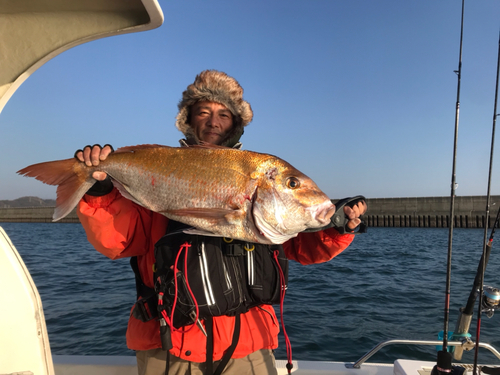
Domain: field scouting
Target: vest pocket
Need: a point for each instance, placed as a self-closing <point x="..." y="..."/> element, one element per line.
<point x="263" y="278"/>
<point x="219" y="280"/>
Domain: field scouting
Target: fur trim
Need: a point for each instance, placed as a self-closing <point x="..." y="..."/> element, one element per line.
<point x="185" y="143"/>
<point x="218" y="87"/>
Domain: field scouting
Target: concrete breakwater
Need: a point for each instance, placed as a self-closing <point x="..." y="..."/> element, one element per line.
<point x="33" y="215"/>
<point x="431" y="212"/>
<point x="423" y="212"/>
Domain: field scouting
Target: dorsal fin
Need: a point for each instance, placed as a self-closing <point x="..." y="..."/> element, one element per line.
<point x="139" y="147"/>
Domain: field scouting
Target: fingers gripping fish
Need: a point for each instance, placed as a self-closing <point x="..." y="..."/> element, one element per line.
<point x="245" y="195"/>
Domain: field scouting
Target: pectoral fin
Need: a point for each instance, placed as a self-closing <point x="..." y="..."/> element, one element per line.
<point x="218" y="215"/>
<point x="200" y="232"/>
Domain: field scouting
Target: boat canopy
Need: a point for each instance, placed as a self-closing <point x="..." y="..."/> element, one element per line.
<point x="34" y="31"/>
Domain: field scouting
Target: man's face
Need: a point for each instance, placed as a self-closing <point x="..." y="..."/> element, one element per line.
<point x="211" y="122"/>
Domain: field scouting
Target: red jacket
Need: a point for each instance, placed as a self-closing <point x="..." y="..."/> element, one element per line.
<point x="119" y="228"/>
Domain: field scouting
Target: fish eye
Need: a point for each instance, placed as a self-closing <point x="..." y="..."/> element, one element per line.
<point x="292" y="182"/>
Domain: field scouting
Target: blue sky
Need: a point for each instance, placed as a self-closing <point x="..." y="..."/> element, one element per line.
<point x="359" y="95"/>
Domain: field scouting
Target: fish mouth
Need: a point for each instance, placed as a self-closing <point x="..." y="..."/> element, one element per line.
<point x="322" y="213"/>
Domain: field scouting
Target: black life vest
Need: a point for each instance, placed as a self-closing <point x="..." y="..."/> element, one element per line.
<point x="200" y="277"/>
<point x="218" y="276"/>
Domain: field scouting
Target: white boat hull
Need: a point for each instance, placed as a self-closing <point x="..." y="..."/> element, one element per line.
<point x="126" y="365"/>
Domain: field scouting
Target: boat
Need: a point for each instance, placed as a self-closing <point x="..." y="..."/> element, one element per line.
<point x="24" y="342"/>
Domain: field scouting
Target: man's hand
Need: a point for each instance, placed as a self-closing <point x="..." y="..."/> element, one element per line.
<point x="92" y="156"/>
<point x="354" y="213"/>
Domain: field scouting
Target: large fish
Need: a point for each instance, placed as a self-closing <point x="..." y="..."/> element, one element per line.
<point x="231" y="193"/>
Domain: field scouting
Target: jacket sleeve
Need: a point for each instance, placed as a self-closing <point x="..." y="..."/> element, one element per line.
<point x="116" y="226"/>
<point x="317" y="247"/>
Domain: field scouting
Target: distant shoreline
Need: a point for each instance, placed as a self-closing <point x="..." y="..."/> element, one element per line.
<point x="28" y="201"/>
<point x="422" y="212"/>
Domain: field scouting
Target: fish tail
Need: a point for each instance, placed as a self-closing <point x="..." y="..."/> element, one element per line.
<point x="70" y="176"/>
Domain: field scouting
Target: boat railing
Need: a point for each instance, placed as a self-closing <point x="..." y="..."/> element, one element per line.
<point x="466" y="346"/>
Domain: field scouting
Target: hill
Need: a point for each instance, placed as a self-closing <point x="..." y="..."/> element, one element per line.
<point x="27" y="202"/>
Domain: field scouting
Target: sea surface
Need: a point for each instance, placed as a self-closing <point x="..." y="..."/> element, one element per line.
<point x="389" y="284"/>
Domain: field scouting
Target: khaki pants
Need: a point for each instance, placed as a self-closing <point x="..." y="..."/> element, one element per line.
<point x="153" y="362"/>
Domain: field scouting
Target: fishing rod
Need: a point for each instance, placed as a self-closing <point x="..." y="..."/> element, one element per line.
<point x="461" y="332"/>
<point x="485" y="245"/>
<point x="491" y="302"/>
<point x="443" y="366"/>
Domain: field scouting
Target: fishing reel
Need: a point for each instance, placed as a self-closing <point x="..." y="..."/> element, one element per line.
<point x="491" y="300"/>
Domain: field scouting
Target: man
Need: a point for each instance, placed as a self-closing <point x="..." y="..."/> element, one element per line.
<point x="212" y="110"/>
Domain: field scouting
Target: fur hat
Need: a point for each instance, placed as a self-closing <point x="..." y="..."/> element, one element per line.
<point x="218" y="87"/>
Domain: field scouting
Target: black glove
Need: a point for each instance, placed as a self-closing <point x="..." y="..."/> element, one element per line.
<point x="101" y="188"/>
<point x="339" y="219"/>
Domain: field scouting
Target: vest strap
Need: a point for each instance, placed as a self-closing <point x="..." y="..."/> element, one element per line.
<point x="229" y="352"/>
<point x="145" y="296"/>
<point x="209" y="326"/>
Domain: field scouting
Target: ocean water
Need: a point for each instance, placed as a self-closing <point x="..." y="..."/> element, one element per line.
<point x="389" y="284"/>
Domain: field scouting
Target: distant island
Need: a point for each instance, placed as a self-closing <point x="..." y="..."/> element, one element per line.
<point x="27" y="202"/>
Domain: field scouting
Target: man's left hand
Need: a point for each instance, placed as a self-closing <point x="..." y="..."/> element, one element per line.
<point x="354" y="213"/>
